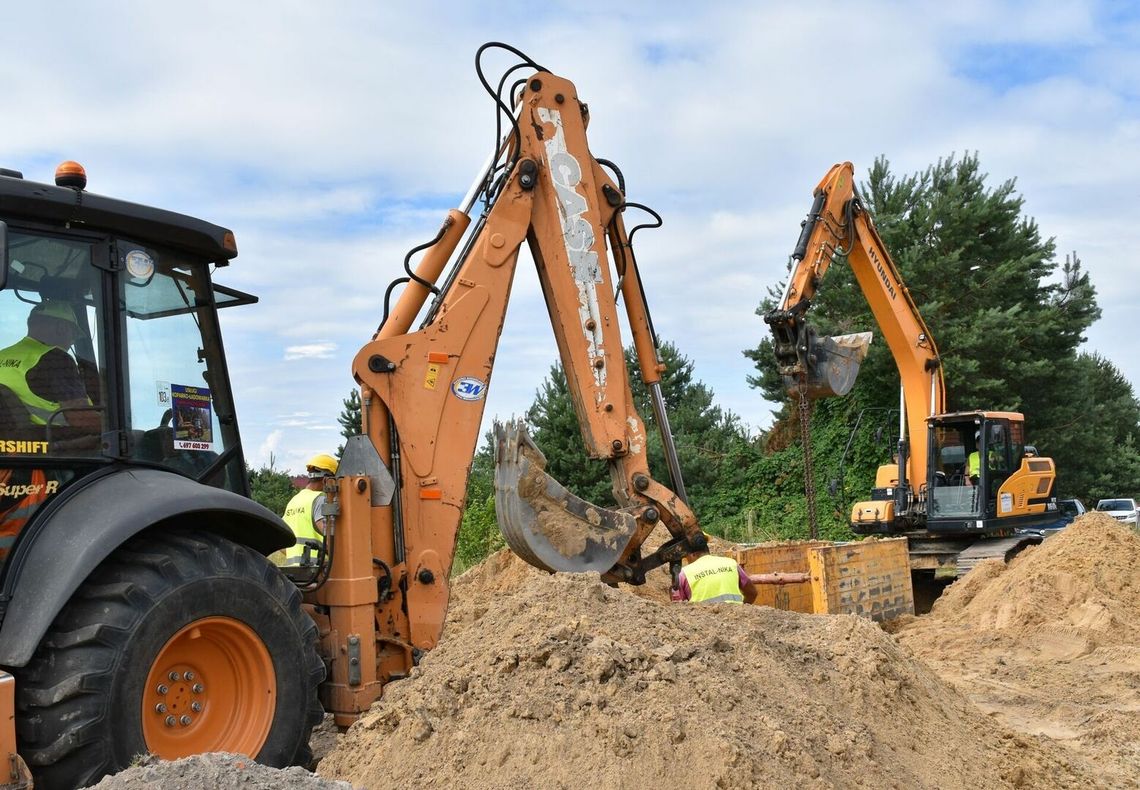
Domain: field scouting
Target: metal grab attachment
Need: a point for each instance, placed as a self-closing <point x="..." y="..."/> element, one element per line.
<point x="833" y="363"/>
<point x="817" y="367"/>
<point x="545" y="524"/>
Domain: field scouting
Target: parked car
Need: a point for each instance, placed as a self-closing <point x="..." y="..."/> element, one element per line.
<point x="1067" y="512"/>
<point x="1120" y="509"/>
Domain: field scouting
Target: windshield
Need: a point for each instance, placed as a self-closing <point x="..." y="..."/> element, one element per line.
<point x="1068" y="507"/>
<point x="955" y="493"/>
<point x="52" y="360"/>
<point x="178" y="407"/>
<point x="1116" y="504"/>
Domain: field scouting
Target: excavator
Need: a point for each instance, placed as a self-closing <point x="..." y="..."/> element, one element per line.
<point x="964" y="482"/>
<point x="138" y="611"/>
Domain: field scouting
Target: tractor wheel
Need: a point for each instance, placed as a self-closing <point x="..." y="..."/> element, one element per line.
<point x="177" y="644"/>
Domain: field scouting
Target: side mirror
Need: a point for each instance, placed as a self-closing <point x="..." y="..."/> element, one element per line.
<point x="3" y="255"/>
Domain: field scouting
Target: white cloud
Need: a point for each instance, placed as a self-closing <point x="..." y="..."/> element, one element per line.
<point x="310" y="351"/>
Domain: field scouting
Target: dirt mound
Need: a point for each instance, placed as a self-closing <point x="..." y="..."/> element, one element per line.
<point x="1050" y="644"/>
<point x="1085" y="579"/>
<point x="561" y="681"/>
<point x="218" y="771"/>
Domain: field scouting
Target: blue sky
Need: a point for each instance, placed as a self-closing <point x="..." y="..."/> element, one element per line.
<point x="332" y="137"/>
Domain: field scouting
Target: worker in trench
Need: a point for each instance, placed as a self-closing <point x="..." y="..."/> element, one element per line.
<point x="708" y="578"/>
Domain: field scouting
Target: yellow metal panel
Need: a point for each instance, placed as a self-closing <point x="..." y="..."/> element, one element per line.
<point x="780" y="558"/>
<point x="870" y="578"/>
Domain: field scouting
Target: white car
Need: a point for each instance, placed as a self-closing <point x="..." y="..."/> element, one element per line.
<point x="1120" y="509"/>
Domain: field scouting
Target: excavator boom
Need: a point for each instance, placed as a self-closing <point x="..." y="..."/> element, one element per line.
<point x="838" y="226"/>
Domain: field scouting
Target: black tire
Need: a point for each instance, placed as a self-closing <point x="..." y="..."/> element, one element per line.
<point x="79" y="700"/>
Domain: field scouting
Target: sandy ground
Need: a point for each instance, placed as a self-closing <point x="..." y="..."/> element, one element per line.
<point x="1049" y="646"/>
<point x="1026" y="675"/>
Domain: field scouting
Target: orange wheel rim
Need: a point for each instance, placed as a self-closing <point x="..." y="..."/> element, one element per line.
<point x="211" y="688"/>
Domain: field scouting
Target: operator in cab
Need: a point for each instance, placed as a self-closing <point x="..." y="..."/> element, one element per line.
<point x="712" y="579"/>
<point x="305" y="512"/>
<point x="43" y="375"/>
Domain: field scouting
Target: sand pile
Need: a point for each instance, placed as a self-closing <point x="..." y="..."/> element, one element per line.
<point x="1050" y="644"/>
<point x="1084" y="579"/>
<point x="562" y="681"/>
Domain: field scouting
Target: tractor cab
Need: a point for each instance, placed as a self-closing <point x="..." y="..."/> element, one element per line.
<point x="983" y="478"/>
<point x="110" y="351"/>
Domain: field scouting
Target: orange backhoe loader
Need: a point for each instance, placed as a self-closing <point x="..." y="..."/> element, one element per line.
<point x="138" y="612"/>
<point x="963" y="482"/>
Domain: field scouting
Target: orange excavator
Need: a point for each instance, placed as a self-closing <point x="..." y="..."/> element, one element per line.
<point x="138" y="612"/>
<point x="963" y="483"/>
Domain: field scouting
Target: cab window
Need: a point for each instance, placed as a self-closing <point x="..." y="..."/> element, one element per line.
<point x="52" y="387"/>
<point x="176" y="410"/>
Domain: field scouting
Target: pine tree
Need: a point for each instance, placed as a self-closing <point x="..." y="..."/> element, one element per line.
<point x="349" y="418"/>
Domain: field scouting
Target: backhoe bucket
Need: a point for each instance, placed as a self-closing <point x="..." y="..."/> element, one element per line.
<point x="544" y="523"/>
<point x="832" y="365"/>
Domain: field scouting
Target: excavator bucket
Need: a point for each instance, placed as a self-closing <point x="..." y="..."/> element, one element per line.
<point x="832" y="365"/>
<point x="545" y="524"/>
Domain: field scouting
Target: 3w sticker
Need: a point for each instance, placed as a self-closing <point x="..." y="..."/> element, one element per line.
<point x="468" y="388"/>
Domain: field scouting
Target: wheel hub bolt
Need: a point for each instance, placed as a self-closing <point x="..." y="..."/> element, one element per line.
<point x="198" y="688"/>
<point x="196" y="707"/>
<point x="185" y="720"/>
<point x="188" y="676"/>
<point x="160" y="708"/>
<point x="170" y="720"/>
<point x="162" y="689"/>
<point x="173" y="677"/>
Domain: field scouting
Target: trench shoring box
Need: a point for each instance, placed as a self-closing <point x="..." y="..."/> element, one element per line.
<point x="869" y="578"/>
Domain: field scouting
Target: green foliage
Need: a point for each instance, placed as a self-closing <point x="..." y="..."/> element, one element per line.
<point x="479" y="530"/>
<point x="271" y="487"/>
<point x="349" y="418"/>
<point x="1097" y="445"/>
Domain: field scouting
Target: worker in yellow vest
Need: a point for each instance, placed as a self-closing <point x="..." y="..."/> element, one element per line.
<point x="305" y="512"/>
<point x="712" y="579"/>
<point x="43" y="375"/>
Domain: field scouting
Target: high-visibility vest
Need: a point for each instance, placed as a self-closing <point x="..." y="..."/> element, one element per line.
<point x="714" y="579"/>
<point x="975" y="464"/>
<point x="15" y="363"/>
<point x="299" y="517"/>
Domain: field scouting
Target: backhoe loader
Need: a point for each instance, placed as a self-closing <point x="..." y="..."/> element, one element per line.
<point x="962" y="482"/>
<point x="138" y="612"/>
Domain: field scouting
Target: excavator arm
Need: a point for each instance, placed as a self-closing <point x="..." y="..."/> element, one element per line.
<point x="838" y="225"/>
<point x="400" y="493"/>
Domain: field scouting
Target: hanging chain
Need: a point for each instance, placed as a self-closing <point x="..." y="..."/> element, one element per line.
<point x="809" y="473"/>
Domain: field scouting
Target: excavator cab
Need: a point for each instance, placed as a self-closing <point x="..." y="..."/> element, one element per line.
<point x="983" y="478"/>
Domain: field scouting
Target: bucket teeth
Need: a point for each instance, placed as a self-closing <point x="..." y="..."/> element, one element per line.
<point x="545" y="524"/>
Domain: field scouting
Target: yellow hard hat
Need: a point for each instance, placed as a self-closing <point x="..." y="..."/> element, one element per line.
<point x="322" y="461"/>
